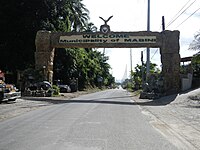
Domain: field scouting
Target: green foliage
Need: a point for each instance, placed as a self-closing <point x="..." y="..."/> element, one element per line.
<point x="139" y="74"/>
<point x="127" y="84"/>
<point x="85" y="64"/>
<point x="196" y="58"/>
<point x="21" y="19"/>
<point x="196" y="65"/>
<point x="32" y="75"/>
<point x="195" y="45"/>
<point x="56" y="90"/>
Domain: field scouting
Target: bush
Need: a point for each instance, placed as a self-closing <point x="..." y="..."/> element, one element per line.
<point x="56" y="90"/>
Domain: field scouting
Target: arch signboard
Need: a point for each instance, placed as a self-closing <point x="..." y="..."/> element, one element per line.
<point x="167" y="41"/>
<point x="109" y="40"/>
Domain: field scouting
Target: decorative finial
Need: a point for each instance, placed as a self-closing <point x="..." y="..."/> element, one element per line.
<point x="105" y="21"/>
<point x="105" y="28"/>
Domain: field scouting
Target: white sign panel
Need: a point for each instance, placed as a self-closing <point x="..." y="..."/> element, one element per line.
<point x="106" y="38"/>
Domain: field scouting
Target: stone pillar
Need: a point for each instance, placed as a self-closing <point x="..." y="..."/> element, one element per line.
<point x="44" y="54"/>
<point x="170" y="59"/>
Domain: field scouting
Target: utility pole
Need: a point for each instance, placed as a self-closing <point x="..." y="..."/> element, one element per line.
<point x="131" y="62"/>
<point x="148" y="49"/>
<point x="142" y="68"/>
<point x="131" y="67"/>
<point x="163" y="23"/>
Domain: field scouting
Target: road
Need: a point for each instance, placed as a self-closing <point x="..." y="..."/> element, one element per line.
<point x="106" y="120"/>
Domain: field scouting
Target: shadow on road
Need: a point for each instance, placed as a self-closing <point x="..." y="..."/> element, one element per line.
<point x="111" y="100"/>
<point x="158" y="102"/>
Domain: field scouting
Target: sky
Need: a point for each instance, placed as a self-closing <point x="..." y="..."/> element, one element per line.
<point x="131" y="16"/>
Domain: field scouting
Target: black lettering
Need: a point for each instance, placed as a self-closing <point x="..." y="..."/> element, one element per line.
<point x="104" y="41"/>
<point x="105" y="36"/>
<point x="127" y="40"/>
<point x="126" y="36"/>
<point x="119" y="36"/>
<point x="112" y="36"/>
<point x="93" y="36"/>
<point x="86" y="36"/>
<point x="151" y="40"/>
<point x="122" y="36"/>
<point x="99" y="36"/>
<point x="63" y="41"/>
<point x="134" y="40"/>
<point x="141" y="40"/>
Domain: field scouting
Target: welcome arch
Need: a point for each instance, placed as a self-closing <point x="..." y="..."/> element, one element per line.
<point x="167" y="41"/>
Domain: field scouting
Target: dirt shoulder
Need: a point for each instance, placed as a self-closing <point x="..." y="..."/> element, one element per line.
<point x="177" y="117"/>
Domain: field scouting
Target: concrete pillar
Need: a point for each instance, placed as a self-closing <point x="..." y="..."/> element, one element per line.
<point x="170" y="59"/>
<point x="44" y="54"/>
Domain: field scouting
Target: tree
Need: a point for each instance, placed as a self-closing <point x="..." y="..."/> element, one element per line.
<point x="84" y="64"/>
<point x="78" y="14"/>
<point x="20" y="21"/>
<point x="139" y="74"/>
<point x="89" y="27"/>
<point x="195" y="45"/>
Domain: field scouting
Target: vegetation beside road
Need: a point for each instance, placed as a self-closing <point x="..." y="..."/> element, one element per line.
<point x="17" y="43"/>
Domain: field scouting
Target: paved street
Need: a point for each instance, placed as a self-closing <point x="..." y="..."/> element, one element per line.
<point x="106" y="120"/>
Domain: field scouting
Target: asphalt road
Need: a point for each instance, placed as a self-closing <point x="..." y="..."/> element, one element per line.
<point x="106" y="120"/>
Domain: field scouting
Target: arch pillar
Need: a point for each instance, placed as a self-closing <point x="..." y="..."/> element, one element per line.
<point x="170" y="59"/>
<point x="44" y="54"/>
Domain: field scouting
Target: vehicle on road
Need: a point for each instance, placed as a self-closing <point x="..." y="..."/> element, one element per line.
<point x="39" y="89"/>
<point x="8" y="92"/>
<point x="64" y="88"/>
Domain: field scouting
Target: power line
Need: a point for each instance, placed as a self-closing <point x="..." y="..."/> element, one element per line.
<point x="176" y="17"/>
<point x="154" y="54"/>
<point x="181" y="12"/>
<point x="188" y="17"/>
<point x="178" y="12"/>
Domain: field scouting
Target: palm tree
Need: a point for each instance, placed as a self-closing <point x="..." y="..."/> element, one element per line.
<point x="195" y="45"/>
<point x="78" y="14"/>
<point x="65" y="15"/>
<point x="90" y="27"/>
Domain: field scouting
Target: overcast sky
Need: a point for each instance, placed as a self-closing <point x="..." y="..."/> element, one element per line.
<point x="131" y="15"/>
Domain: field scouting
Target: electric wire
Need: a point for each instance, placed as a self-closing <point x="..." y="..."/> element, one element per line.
<point x="178" y="12"/>
<point x="154" y="53"/>
<point x="173" y="20"/>
<point x="188" y="17"/>
<point x="181" y="13"/>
